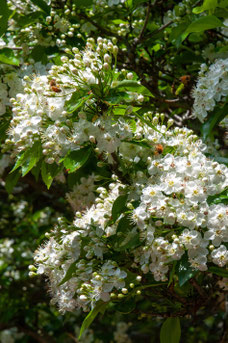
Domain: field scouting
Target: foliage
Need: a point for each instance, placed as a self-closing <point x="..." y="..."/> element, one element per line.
<point x="113" y="171"/>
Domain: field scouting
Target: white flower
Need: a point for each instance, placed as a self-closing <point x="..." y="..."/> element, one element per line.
<point x="220" y="256"/>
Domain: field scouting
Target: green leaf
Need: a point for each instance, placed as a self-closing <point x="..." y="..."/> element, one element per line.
<point x="69" y="273"/>
<point x="48" y="172"/>
<point x="39" y="54"/>
<point x="76" y="101"/>
<point x="172" y="273"/>
<point x="11" y="180"/>
<point x="215" y="118"/>
<point x="76" y="159"/>
<point x="7" y="56"/>
<point x="204" y="23"/>
<point x="208" y="5"/>
<point x="42" y="5"/>
<point x="221" y="13"/>
<point x="36" y="170"/>
<point x="119" y="206"/>
<point x="28" y="158"/>
<point x="24" y="20"/>
<point x="218" y="271"/>
<point x="218" y="198"/>
<point x="178" y="31"/>
<point x="130" y="241"/>
<point x="33" y="158"/>
<point x="170" y="331"/>
<point x="100" y="307"/>
<point x="83" y="3"/>
<point x="130" y="84"/>
<point x="116" y="97"/>
<point x="21" y="160"/>
<point x="184" y="270"/>
<point x="127" y="236"/>
<point x="4" y="16"/>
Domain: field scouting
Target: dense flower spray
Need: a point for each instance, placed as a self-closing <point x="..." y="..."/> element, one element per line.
<point x="167" y="215"/>
<point x="211" y="88"/>
<point x="152" y="208"/>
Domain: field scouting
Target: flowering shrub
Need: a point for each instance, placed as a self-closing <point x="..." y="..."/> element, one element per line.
<point x="113" y="170"/>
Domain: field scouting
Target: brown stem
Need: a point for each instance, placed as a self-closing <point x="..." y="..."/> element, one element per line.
<point x="198" y="288"/>
<point x="145" y="24"/>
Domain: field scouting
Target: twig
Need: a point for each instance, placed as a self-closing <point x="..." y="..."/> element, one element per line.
<point x="163" y="27"/>
<point x="98" y="26"/>
<point x="198" y="288"/>
<point x="137" y="40"/>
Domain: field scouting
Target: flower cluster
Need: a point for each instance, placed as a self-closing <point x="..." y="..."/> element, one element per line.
<point x="83" y="248"/>
<point x="211" y="88"/>
<point x="42" y="112"/>
<point x="53" y="30"/>
<point x="168" y="215"/>
<point x="82" y="196"/>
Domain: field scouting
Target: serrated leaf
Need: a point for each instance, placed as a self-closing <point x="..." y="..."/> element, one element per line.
<point x="130" y="241"/>
<point x="20" y="160"/>
<point x="76" y="159"/>
<point x="178" y="31"/>
<point x="33" y="158"/>
<point x="204" y="23"/>
<point x="116" y="97"/>
<point x="36" y="170"/>
<point x="77" y="99"/>
<point x="28" y="158"/>
<point x="11" y="180"/>
<point x="130" y="84"/>
<point x="48" y="172"/>
<point x="42" y="5"/>
<point x="184" y="270"/>
<point x="170" y="331"/>
<point x="100" y="307"/>
<point x="215" y="118"/>
<point x="127" y="236"/>
<point x="119" y="206"/>
<point x="218" y="271"/>
<point x="70" y="271"/>
<point x="7" y="56"/>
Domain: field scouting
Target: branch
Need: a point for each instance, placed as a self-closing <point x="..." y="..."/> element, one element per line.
<point x="137" y="40"/>
<point x="198" y="288"/>
<point x="98" y="26"/>
<point x="163" y="27"/>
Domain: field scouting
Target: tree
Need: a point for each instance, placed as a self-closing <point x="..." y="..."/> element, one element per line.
<point x="113" y="132"/>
